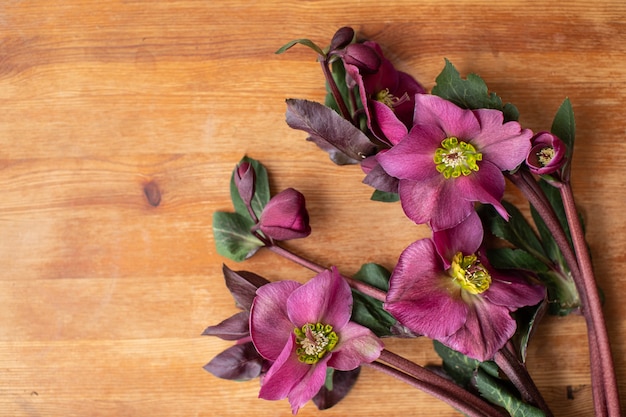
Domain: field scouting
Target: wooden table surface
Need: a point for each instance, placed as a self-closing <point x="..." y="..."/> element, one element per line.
<point x="104" y="292"/>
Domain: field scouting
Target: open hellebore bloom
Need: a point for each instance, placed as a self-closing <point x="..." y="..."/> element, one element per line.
<point x="285" y="216"/>
<point x="386" y="93"/>
<point x="547" y="154"/>
<point x="304" y="329"/>
<point x="443" y="288"/>
<point x="451" y="158"/>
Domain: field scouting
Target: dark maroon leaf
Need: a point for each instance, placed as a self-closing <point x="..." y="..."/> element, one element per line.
<point x="243" y="286"/>
<point x="344" y="142"/>
<point x="343" y="381"/>
<point x="239" y="363"/>
<point x="233" y="328"/>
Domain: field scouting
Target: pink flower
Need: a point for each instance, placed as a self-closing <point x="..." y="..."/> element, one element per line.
<point x="443" y="288"/>
<point x="451" y="158"/>
<point x="547" y="154"/>
<point x="285" y="216"/>
<point x="304" y="329"/>
<point x="386" y="93"/>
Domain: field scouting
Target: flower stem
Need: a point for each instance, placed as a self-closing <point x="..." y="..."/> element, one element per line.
<point x="435" y="385"/>
<point x="594" y="305"/>
<point x="518" y="375"/>
<point x="354" y="283"/>
<point x="335" y="90"/>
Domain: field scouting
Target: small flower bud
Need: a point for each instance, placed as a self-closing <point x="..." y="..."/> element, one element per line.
<point x="285" y="216"/>
<point x="244" y="180"/>
<point x="362" y="56"/>
<point x="547" y="154"/>
<point x="341" y="38"/>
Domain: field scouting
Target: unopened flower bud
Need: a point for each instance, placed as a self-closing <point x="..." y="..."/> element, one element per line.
<point x="285" y="216"/>
<point x="244" y="180"/>
<point x="362" y="56"/>
<point x="342" y="38"/>
<point x="547" y="154"/>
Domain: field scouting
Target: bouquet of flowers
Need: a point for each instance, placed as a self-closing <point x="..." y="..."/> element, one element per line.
<point x="478" y="287"/>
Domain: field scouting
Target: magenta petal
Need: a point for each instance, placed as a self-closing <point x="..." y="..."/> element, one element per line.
<point x="453" y="120"/>
<point x="285" y="372"/>
<point x="435" y="201"/>
<point x="270" y="327"/>
<point x="412" y="157"/>
<point x="308" y="386"/>
<point x="326" y="299"/>
<point x="357" y="344"/>
<point x="513" y="292"/>
<point x="466" y="237"/>
<point x="486" y="185"/>
<point x="421" y="296"/>
<point x="505" y="145"/>
<point x="486" y="331"/>
<point x="392" y="128"/>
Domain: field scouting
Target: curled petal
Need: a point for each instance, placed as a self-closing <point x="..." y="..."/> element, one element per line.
<point x="465" y="237"/>
<point x="285" y="216"/>
<point x="513" y="292"/>
<point x="270" y="327"/>
<point x="357" y="344"/>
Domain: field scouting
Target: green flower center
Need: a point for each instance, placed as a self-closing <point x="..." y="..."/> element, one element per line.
<point x="545" y="155"/>
<point x="314" y="341"/>
<point x="389" y="100"/>
<point x="456" y="157"/>
<point x="468" y="272"/>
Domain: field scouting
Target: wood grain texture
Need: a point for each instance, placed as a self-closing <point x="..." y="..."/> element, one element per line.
<point x="121" y="121"/>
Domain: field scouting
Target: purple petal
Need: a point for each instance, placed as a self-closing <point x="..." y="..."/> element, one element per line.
<point x="453" y="120"/>
<point x="238" y="363"/>
<point x="421" y="296"/>
<point x="505" y="145"/>
<point x="466" y="237"/>
<point x="513" y="292"/>
<point x="233" y="328"/>
<point x="357" y="344"/>
<point x="326" y="299"/>
<point x="486" y="331"/>
<point x="310" y="385"/>
<point x="391" y="127"/>
<point x="270" y="327"/>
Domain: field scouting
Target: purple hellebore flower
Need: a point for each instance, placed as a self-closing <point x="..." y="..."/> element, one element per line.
<point x="547" y="155"/>
<point x="451" y="158"/>
<point x="285" y="216"/>
<point x="386" y="93"/>
<point x="303" y="330"/>
<point x="443" y="288"/>
<point x="245" y="178"/>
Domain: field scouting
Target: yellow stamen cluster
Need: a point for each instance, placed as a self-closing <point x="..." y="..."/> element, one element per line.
<point x="388" y="99"/>
<point x="456" y="158"/>
<point x="545" y="155"/>
<point x="470" y="274"/>
<point x="314" y="341"/>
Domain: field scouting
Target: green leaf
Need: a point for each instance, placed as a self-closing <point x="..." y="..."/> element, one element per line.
<point x="471" y="93"/>
<point x="564" y="126"/>
<point x="511" y="258"/>
<point x="368" y="311"/>
<point x="261" y="190"/>
<point x="516" y="230"/>
<point x="384" y="196"/>
<point x="305" y="42"/>
<point x="233" y="239"/>
<point x="527" y="319"/>
<point x="496" y="392"/>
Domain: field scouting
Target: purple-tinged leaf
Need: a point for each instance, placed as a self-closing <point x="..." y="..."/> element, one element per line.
<point x="342" y="383"/>
<point x="344" y="142"/>
<point x="238" y="363"/>
<point x="233" y="328"/>
<point x="243" y="285"/>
